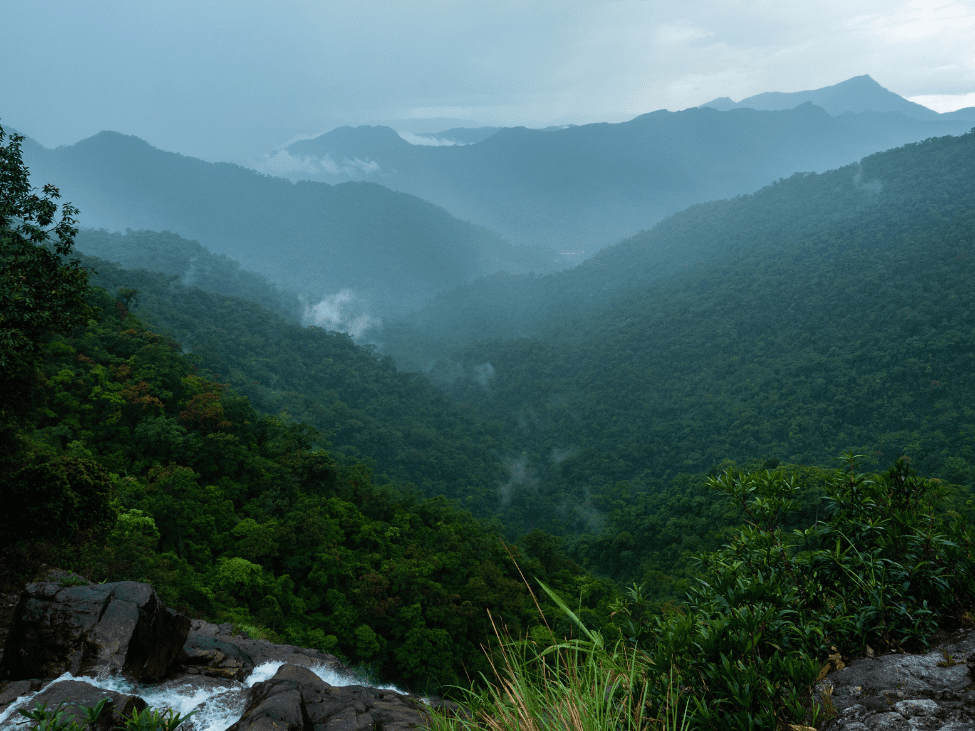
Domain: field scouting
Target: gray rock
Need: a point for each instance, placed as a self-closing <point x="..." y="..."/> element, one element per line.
<point x="888" y="722"/>
<point x="11" y="691"/>
<point x="296" y="699"/>
<point x="930" y="691"/>
<point x="214" y="650"/>
<point x="917" y="708"/>
<point x="124" y="628"/>
<point x="76" y="694"/>
<point x="121" y="627"/>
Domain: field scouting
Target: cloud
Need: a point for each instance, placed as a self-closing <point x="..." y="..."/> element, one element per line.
<point x="484" y="373"/>
<point x="519" y="475"/>
<point x="560" y="455"/>
<point x="428" y="141"/>
<point x="283" y="164"/>
<point x="945" y="102"/>
<point x="342" y="311"/>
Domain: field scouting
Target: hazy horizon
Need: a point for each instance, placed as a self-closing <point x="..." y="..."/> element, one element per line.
<point x="232" y="81"/>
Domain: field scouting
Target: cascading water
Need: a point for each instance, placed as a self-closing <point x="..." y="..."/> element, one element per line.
<point x="217" y="707"/>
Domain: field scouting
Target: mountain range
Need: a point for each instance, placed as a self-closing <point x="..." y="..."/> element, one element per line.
<point x="859" y="94"/>
<point x="573" y="190"/>
<point x="378" y="251"/>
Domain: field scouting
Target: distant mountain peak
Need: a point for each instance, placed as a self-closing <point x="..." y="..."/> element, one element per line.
<point x="364" y="140"/>
<point x="857" y="94"/>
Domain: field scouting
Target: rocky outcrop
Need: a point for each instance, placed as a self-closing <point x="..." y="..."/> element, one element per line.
<point x="123" y="628"/>
<point x="296" y="699"/>
<point x="91" y="628"/>
<point x="73" y="695"/>
<point x="216" y="651"/>
<point x="933" y="691"/>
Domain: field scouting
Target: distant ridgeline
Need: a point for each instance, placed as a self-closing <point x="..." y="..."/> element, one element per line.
<point x="824" y="313"/>
<point x="580" y="188"/>
<point x="392" y="251"/>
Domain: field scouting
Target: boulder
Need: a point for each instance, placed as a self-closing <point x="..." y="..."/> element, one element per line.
<point x="121" y="627"/>
<point x="296" y="699"/>
<point x="216" y="651"/>
<point x="73" y="695"/>
<point x="11" y="691"/>
<point x="931" y="691"/>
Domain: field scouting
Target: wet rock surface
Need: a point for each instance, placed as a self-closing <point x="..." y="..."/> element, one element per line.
<point x="122" y="627"/>
<point x="76" y="694"/>
<point x="71" y="625"/>
<point x="298" y="700"/>
<point x="216" y="651"/>
<point x="931" y="691"/>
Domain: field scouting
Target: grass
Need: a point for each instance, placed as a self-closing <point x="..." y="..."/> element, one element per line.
<point x="576" y="685"/>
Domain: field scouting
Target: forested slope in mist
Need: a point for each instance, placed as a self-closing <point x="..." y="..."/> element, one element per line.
<point x="390" y="250"/>
<point x="366" y="411"/>
<point x="825" y="313"/>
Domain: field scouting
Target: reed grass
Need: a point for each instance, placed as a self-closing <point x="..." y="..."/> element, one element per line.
<point x="577" y="685"/>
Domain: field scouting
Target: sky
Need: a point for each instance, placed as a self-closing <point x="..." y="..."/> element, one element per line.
<point x="232" y="81"/>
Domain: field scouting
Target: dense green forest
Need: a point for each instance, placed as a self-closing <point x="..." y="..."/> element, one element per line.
<point x="399" y="425"/>
<point x="123" y="460"/>
<point x="297" y="484"/>
<point x="823" y="314"/>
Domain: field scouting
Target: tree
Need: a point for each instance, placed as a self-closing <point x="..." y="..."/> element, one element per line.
<point x="40" y="292"/>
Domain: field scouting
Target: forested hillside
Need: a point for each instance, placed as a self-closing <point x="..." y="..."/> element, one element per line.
<point x="825" y="313"/>
<point x="395" y="422"/>
<point x="192" y="264"/>
<point x="122" y="460"/>
<point x="392" y="251"/>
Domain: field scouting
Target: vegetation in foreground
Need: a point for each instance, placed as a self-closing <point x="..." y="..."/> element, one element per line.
<point x="43" y="718"/>
<point x="886" y="570"/>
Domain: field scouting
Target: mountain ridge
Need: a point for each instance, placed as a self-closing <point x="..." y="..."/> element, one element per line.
<point x="857" y="94"/>
<point x="573" y="191"/>
<point x="392" y="250"/>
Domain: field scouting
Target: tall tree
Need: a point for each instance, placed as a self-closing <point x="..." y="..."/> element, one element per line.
<point x="40" y="291"/>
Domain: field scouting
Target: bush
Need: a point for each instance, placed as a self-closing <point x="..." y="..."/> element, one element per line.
<point x="887" y="570"/>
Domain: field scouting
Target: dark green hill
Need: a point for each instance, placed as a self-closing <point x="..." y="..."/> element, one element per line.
<point x="581" y="188"/>
<point x="404" y="429"/>
<point x="392" y="251"/>
<point x="824" y="313"/>
<point x="168" y="253"/>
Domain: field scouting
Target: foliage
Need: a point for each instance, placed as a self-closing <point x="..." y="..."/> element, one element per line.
<point x="40" y="294"/>
<point x="167" y="253"/>
<point x="364" y="410"/>
<point x="59" y="719"/>
<point x="887" y="567"/>
<point x="887" y="570"/>
<point x="579" y="684"/>
<point x="825" y="313"/>
<point x="146" y="470"/>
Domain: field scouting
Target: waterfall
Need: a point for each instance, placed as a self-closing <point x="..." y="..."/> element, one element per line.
<point x="217" y="707"/>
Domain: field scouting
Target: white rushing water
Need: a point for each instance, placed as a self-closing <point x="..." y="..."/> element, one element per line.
<point x="216" y="708"/>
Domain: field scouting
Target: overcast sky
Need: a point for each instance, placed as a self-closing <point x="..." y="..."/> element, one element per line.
<point x="232" y="80"/>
